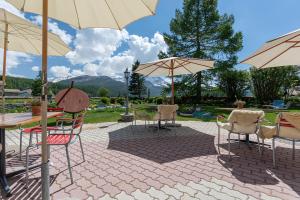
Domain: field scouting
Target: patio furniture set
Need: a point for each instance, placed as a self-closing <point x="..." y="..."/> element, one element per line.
<point x="159" y="114"/>
<point x="249" y="122"/>
<point x="64" y="133"/>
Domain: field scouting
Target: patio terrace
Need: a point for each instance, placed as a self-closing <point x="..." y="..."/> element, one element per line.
<point x="178" y="164"/>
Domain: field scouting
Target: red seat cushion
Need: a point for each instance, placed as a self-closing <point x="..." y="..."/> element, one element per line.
<point x="35" y="129"/>
<point x="38" y="129"/>
<point x="58" y="139"/>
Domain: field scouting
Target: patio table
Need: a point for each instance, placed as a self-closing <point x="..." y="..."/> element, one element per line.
<point x="12" y="120"/>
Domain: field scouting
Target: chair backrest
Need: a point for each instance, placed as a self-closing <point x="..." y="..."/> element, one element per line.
<point x="288" y="125"/>
<point x="78" y="123"/>
<point x="278" y="103"/>
<point x="245" y="121"/>
<point x="167" y="112"/>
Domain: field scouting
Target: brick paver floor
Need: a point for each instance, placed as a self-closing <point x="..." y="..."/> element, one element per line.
<point x="141" y="163"/>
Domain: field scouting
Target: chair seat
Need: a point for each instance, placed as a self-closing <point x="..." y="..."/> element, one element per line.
<point x="58" y="139"/>
<point x="38" y="129"/>
<point x="35" y="129"/>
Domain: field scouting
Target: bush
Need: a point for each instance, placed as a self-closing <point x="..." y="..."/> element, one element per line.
<point x="159" y="100"/>
<point x="105" y="100"/>
<point x="121" y="100"/>
<point x="113" y="100"/>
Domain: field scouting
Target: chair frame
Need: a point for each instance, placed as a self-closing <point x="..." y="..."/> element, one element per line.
<point x="278" y="126"/>
<point x="77" y="124"/>
<point x="238" y="133"/>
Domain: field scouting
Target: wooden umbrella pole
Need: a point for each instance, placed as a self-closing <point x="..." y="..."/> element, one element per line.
<point x="5" y="53"/>
<point x="4" y="67"/>
<point x="45" y="150"/>
<point x="172" y="74"/>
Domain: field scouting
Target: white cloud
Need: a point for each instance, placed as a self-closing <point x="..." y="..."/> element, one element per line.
<point x="62" y="72"/>
<point x="14" y="60"/>
<point x="95" y="44"/>
<point x="35" y="68"/>
<point x="54" y="28"/>
<point x="96" y="50"/>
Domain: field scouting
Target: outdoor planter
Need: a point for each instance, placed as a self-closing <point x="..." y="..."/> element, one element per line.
<point x="36" y="107"/>
<point x="36" y="110"/>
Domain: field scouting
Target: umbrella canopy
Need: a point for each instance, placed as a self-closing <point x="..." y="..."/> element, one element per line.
<point x="114" y="14"/>
<point x="18" y="34"/>
<point x="24" y="36"/>
<point x="174" y="66"/>
<point x="281" y="51"/>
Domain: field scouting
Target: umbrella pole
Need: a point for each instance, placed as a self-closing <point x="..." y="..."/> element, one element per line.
<point x="172" y="74"/>
<point x="45" y="159"/>
<point x="4" y="67"/>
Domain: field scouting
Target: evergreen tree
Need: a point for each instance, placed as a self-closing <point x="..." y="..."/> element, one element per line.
<point x="36" y="86"/>
<point x="199" y="31"/>
<point x="103" y="92"/>
<point x="137" y="82"/>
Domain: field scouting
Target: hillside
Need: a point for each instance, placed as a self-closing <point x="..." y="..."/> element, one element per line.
<point x="91" y="85"/>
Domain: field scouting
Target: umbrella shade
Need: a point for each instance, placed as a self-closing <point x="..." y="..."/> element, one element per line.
<point x="24" y="36"/>
<point x="174" y="66"/>
<point x="282" y="51"/>
<point x="114" y="14"/>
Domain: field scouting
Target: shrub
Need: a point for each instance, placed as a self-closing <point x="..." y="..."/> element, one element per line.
<point x="105" y="100"/>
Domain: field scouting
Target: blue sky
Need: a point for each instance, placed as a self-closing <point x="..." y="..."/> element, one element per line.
<point x="259" y="20"/>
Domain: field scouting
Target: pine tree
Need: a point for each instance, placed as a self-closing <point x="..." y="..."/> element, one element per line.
<point x="137" y="82"/>
<point x="199" y="31"/>
<point x="37" y="85"/>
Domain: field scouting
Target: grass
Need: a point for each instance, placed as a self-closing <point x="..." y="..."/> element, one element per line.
<point x="113" y="115"/>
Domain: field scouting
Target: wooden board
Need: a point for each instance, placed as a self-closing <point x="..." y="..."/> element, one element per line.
<point x="10" y="120"/>
<point x="72" y="100"/>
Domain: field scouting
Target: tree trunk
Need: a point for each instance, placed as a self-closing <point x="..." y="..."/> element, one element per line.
<point x="198" y="86"/>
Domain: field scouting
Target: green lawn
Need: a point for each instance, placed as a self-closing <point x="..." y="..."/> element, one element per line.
<point x="113" y="115"/>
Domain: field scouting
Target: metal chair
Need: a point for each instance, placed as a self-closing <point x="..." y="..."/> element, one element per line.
<point x="241" y="122"/>
<point x="37" y="130"/>
<point x="63" y="136"/>
<point x="287" y="128"/>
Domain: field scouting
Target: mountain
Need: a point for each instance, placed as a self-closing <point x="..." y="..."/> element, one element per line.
<point x="91" y="85"/>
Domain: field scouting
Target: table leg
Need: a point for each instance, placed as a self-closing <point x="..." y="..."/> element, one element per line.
<point x="248" y="141"/>
<point x="3" y="179"/>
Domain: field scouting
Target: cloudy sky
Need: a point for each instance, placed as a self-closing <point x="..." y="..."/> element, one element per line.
<point x="109" y="52"/>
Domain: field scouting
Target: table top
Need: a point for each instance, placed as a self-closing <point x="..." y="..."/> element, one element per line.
<point x="10" y="120"/>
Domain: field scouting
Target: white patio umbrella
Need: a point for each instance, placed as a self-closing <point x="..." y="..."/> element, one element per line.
<point x="174" y="66"/>
<point x="81" y="14"/>
<point x="281" y="51"/>
<point x="20" y="35"/>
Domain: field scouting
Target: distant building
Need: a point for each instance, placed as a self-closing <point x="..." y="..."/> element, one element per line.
<point x="16" y="93"/>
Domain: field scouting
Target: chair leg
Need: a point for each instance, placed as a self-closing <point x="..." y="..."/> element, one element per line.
<point x="258" y="143"/>
<point x="69" y="164"/>
<point x="239" y="138"/>
<point x="294" y="149"/>
<point x="81" y="148"/>
<point x="219" y="134"/>
<point x="21" y="142"/>
<point x="229" y="144"/>
<point x="274" y="152"/>
<point x="263" y="145"/>
<point x="37" y="139"/>
<point x="27" y="162"/>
